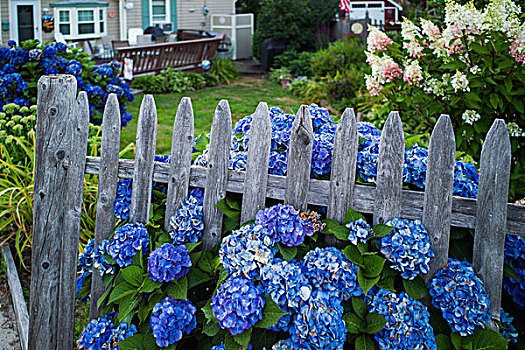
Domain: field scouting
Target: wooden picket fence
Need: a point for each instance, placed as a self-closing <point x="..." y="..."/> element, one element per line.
<point x="61" y="162"/>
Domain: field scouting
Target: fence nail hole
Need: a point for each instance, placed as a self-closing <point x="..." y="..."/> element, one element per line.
<point x="190" y="138"/>
<point x="41" y="194"/>
<point x="436" y="239"/>
<point x="60" y="154"/>
<point x="172" y="180"/>
<point x="45" y="264"/>
<point x="52" y="111"/>
<point x="103" y="198"/>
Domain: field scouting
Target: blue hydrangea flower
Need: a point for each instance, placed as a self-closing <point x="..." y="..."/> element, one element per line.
<point x="319" y="115"/>
<point x="168" y="262"/>
<point x="330" y="271"/>
<point x="360" y="231"/>
<point x="508" y="331"/>
<point x="101" y="334"/>
<point x="119" y="334"/>
<point x="202" y="159"/>
<point x="92" y="256"/>
<point x="408" y="321"/>
<point x="127" y="241"/>
<point x="245" y="250"/>
<point x="221" y="347"/>
<point x="466" y="180"/>
<point x="367" y="165"/>
<point x="286" y="344"/>
<point x="278" y="163"/>
<point x="238" y="160"/>
<point x="322" y="150"/>
<point x="515" y="255"/>
<point x="238" y="305"/>
<point x="415" y="166"/>
<point x="407" y="247"/>
<point x="283" y="223"/>
<point x="311" y="222"/>
<point x="319" y="324"/>
<point x="74" y="67"/>
<point x="121" y="205"/>
<point x="11" y="43"/>
<point x="461" y="297"/>
<point x="186" y="225"/>
<point x="243" y="125"/>
<point x="171" y="319"/>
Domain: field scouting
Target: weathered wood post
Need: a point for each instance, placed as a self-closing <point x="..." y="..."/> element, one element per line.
<point x="61" y="141"/>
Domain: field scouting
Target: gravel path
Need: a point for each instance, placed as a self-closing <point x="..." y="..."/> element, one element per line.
<point x="8" y="328"/>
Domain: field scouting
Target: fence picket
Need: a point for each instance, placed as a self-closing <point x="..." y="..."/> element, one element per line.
<point x="107" y="190"/>
<point x="437" y="207"/>
<point x="299" y="160"/>
<point x="52" y="268"/>
<point x="342" y="177"/>
<point x="491" y="214"/>
<point x="389" y="181"/>
<point x="144" y="161"/>
<point x="216" y="174"/>
<point x="181" y="148"/>
<point x="256" y="179"/>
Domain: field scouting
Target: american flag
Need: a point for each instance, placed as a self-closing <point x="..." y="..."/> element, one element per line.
<point x="345" y="5"/>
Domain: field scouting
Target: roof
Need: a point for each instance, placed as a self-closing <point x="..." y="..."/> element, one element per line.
<point x="79" y="3"/>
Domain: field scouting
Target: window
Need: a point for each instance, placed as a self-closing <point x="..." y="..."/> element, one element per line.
<point x="81" y="22"/>
<point x="358" y="6"/>
<point x="159" y="11"/>
<point x="375" y="5"/>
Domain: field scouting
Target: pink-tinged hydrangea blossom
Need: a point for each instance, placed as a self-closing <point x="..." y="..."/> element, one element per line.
<point x="377" y="40"/>
<point x="413" y="74"/>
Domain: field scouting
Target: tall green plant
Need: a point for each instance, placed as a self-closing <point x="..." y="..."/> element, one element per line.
<point x="224" y="69"/>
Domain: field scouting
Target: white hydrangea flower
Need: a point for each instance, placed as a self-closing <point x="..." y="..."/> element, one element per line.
<point x="515" y="130"/>
<point x="459" y="82"/>
<point x="413" y="73"/>
<point x="475" y="69"/>
<point x="470" y="116"/>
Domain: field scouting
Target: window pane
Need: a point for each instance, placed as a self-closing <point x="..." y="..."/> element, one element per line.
<point x="101" y="24"/>
<point x="159" y="10"/>
<point x="86" y="28"/>
<point x="357" y="6"/>
<point x="86" y="15"/>
<point x="374" y="5"/>
<point x="65" y="29"/>
<point x="63" y="16"/>
<point x="101" y="21"/>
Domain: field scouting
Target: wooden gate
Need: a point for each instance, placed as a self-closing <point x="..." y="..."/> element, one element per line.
<point x="61" y="162"/>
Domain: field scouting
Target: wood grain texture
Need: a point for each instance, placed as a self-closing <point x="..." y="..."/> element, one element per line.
<point x="181" y="148"/>
<point x="144" y="159"/>
<point x="256" y="179"/>
<point x="79" y="130"/>
<point x="342" y="176"/>
<point x="390" y="161"/>
<point x="299" y="160"/>
<point x="463" y="209"/>
<point x="56" y="105"/>
<point x="491" y="214"/>
<point x="107" y="190"/>
<point x="216" y="174"/>
<point x="19" y="303"/>
<point x="437" y="206"/>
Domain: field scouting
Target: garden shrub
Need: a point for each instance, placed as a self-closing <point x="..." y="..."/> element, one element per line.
<point x="224" y="69"/>
<point x="16" y="123"/>
<point x="211" y="79"/>
<point x="340" y="55"/>
<point x="22" y="66"/>
<point x="298" y="63"/>
<point x="169" y="81"/>
<point x="472" y="69"/>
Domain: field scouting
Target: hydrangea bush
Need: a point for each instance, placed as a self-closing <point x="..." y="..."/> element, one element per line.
<point x="22" y="65"/>
<point x="470" y="66"/>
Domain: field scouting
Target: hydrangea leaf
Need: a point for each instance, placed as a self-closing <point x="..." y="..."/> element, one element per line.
<point x="210" y="328"/>
<point x="230" y="343"/>
<point x="121" y="290"/>
<point x="443" y="342"/>
<point x="208" y="312"/>
<point x="363" y="248"/>
<point x="341" y="233"/>
<point x="411" y="140"/>
<point x="288" y="253"/>
<point x="386" y="283"/>
<point x="143" y="313"/>
<point x="103" y="297"/>
<point x="366" y="283"/>
<point x="381" y="230"/>
<point x="262" y="338"/>
<point x="138" y="342"/>
<point x="374" y="323"/>
<point x="133" y="275"/>
<point x="329" y="226"/>
<point x="149" y="285"/>
<point x="206" y="262"/>
<point x="353" y="323"/>
<point x="352" y="215"/>
<point x="126" y="306"/>
<point x="487" y="339"/>
<point x="353" y="254"/>
<point x="510" y="272"/>
<point x="364" y="343"/>
<point x="244" y="337"/>
<point x="373" y="265"/>
<point x="163" y="238"/>
<point x="271" y="314"/>
<point x="359" y="307"/>
<point x="416" y="288"/>
<point x="194" y="257"/>
<point x="190" y="246"/>
<point x="232" y="213"/>
<point x="178" y="289"/>
<point x="196" y="277"/>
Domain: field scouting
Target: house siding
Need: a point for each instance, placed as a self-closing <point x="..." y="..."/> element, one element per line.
<point x="5" y="19"/>
<point x="190" y="16"/>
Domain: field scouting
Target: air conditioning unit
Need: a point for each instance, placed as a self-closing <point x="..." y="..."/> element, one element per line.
<point x="239" y="30"/>
<point x="167" y="28"/>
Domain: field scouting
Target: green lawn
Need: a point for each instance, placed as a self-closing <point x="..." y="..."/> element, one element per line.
<point x="243" y="97"/>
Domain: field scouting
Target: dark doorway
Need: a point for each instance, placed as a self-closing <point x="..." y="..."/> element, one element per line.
<point x="26" y="26"/>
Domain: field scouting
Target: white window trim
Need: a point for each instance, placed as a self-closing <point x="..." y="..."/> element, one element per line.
<point x="168" y="13"/>
<point x="73" y="22"/>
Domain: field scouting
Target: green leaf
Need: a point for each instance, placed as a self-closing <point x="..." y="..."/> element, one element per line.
<point x="208" y="312"/>
<point x="386" y="283"/>
<point x="210" y="328"/>
<point x="244" y="337"/>
<point x="487" y="339"/>
<point x="230" y="343"/>
<point x="415" y="288"/>
<point x="381" y="230"/>
<point x="510" y="272"/>
<point x="363" y="248"/>
<point x="206" y="261"/>
<point x="196" y="277"/>
<point x="138" y="342"/>
<point x="288" y="253"/>
<point x="374" y="323"/>
<point x="494" y="100"/>
<point x="443" y="342"/>
<point x="341" y="233"/>
<point x="126" y="306"/>
<point x="411" y="140"/>
<point x="149" y="285"/>
<point x="143" y="313"/>
<point x="353" y="254"/>
<point x="103" y="297"/>
<point x="233" y="214"/>
<point x="191" y="246"/>
<point x="329" y="226"/>
<point x="359" y="307"/>
<point x="518" y="104"/>
<point x="271" y="313"/>
<point x="479" y="49"/>
<point x="364" y="342"/>
<point x="366" y="283"/>
<point x="353" y="323"/>
<point x="178" y="289"/>
<point x="121" y="290"/>
<point x="133" y="275"/>
<point x="373" y="265"/>
<point x="352" y="215"/>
